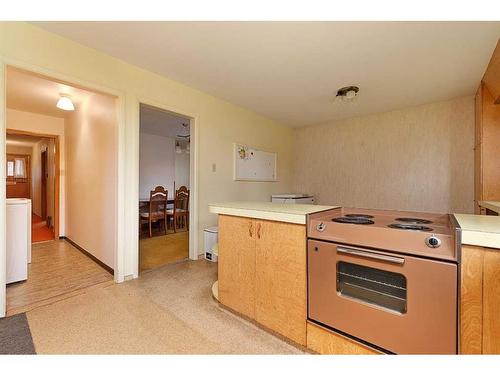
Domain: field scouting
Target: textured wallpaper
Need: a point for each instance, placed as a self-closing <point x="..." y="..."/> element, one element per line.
<point x="418" y="158"/>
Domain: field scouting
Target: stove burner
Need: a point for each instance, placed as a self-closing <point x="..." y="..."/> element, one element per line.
<point x="353" y="220"/>
<point x="413" y="220"/>
<point x="410" y="227"/>
<point x="359" y="215"/>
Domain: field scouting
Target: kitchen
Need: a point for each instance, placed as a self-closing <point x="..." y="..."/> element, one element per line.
<point x="393" y="153"/>
<point x="343" y="279"/>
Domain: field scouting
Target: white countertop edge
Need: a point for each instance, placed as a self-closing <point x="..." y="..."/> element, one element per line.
<point x="258" y="214"/>
<point x="267" y="214"/>
<point x="490" y="205"/>
<point x="483" y="239"/>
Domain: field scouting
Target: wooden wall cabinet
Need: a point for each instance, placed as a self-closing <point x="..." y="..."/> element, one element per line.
<point x="487" y="135"/>
<point x="262" y="273"/>
<point x="480" y="301"/>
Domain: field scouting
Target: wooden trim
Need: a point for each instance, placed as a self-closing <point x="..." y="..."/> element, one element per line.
<point x="323" y="341"/>
<point x="57" y="173"/>
<point x="85" y="252"/>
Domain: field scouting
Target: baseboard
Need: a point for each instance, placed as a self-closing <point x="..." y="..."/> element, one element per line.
<point x="85" y="252"/>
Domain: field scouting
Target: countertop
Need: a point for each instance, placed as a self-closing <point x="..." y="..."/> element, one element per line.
<point x="286" y="212"/>
<point x="491" y="205"/>
<point x="480" y="230"/>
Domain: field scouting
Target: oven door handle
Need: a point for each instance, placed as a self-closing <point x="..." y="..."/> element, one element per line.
<point x="371" y="255"/>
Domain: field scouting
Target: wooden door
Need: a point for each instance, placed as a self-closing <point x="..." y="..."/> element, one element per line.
<point x="18" y="186"/>
<point x="280" y="279"/>
<point x="237" y="264"/>
<point x="44" y="176"/>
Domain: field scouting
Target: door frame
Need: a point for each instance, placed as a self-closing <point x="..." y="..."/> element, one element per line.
<point x="57" y="172"/>
<point x="193" y="172"/>
<point x="44" y="160"/>
<point x="124" y="213"/>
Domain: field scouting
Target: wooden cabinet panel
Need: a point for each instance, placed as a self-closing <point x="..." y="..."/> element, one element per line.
<point x="323" y="341"/>
<point x="471" y="301"/>
<point x="280" y="279"/>
<point x="490" y="146"/>
<point x="491" y="302"/>
<point x="480" y="301"/>
<point x="492" y="76"/>
<point x="236" y="264"/>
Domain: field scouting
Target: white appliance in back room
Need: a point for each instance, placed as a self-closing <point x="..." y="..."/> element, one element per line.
<point x="18" y="239"/>
<point x="293" y="198"/>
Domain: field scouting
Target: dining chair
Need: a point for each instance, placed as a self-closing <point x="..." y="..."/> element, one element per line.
<point x="180" y="211"/>
<point x="157" y="209"/>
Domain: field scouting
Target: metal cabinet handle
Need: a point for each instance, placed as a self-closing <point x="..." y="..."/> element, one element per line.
<point x="371" y="255"/>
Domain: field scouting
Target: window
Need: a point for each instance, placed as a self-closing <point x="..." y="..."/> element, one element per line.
<point x="10" y="168"/>
<point x="20" y="168"/>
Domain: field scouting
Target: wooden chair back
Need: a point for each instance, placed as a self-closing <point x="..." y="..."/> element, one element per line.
<point x="158" y="200"/>
<point x="181" y="199"/>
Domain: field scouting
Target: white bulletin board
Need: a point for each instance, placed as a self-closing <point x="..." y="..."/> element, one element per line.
<point x="254" y="165"/>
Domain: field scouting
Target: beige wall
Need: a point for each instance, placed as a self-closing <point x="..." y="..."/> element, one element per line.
<point x="417" y="158"/>
<point x="156" y="164"/>
<point x="91" y="177"/>
<point x="36" y="123"/>
<point x="219" y="123"/>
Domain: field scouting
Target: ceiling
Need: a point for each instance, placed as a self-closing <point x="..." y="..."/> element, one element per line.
<point x="159" y="122"/>
<point x="290" y="71"/>
<point x="30" y="92"/>
<point x="21" y="140"/>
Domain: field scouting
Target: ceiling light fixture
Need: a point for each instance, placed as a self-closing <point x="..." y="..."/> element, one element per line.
<point x="348" y="93"/>
<point x="65" y="103"/>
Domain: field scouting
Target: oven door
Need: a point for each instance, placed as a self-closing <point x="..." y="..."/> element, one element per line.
<point x="402" y="304"/>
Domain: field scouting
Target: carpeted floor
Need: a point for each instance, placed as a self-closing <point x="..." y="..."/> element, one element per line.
<point x="160" y="250"/>
<point x="168" y="310"/>
<point x="15" y="335"/>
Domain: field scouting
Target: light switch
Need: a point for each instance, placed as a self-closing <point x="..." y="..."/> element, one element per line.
<point x="214" y="167"/>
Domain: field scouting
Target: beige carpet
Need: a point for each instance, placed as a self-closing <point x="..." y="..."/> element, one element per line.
<point x="169" y="310"/>
<point x="160" y="250"/>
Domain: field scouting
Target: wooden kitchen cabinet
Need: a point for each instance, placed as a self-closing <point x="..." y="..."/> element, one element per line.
<point x="236" y="264"/>
<point x="480" y="301"/>
<point x="262" y="273"/>
<point x="280" y="278"/>
<point x="487" y="135"/>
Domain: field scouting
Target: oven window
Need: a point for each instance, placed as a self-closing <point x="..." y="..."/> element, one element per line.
<point x="371" y="285"/>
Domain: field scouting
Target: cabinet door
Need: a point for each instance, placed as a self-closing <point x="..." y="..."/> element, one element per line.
<point x="237" y="264"/>
<point x="280" y="279"/>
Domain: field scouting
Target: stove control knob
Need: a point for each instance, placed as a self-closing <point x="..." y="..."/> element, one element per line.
<point x="321" y="227"/>
<point x="433" y="241"/>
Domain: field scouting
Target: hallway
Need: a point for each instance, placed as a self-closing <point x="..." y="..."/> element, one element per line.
<point x="39" y="230"/>
<point x="57" y="271"/>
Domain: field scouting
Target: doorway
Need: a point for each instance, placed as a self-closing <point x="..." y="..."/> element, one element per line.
<point x="32" y="173"/>
<point x="164" y="187"/>
<point x="78" y="205"/>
